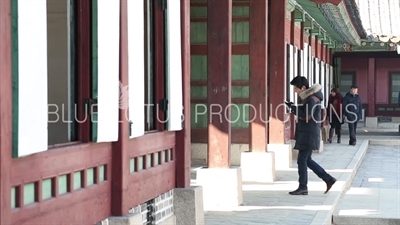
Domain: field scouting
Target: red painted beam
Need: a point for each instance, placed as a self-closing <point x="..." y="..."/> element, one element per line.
<point x="334" y="2"/>
<point x="183" y="142"/>
<point x="5" y="111"/>
<point x="258" y="75"/>
<point x="219" y="54"/>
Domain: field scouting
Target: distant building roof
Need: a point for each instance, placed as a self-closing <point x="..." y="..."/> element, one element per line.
<point x="380" y="19"/>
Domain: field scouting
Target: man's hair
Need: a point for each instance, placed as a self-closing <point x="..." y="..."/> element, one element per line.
<point x="299" y="82"/>
<point x="353" y="86"/>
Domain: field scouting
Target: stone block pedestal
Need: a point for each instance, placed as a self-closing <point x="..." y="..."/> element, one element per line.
<point x="283" y="155"/>
<point x="258" y="167"/>
<point x="371" y="122"/>
<point x="221" y="187"/>
<point x="188" y="205"/>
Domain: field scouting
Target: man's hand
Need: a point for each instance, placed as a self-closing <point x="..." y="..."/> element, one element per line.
<point x="289" y="104"/>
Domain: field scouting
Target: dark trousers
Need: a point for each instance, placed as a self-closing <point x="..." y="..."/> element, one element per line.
<point x="303" y="161"/>
<point x="353" y="132"/>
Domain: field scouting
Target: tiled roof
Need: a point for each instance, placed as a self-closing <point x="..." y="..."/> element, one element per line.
<point x="380" y="19"/>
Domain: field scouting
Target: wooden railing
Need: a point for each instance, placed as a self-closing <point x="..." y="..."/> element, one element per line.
<point x="59" y="185"/>
<point x="152" y="167"/>
<point x="389" y="110"/>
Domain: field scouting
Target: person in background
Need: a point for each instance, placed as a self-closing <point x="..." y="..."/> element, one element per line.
<point x="352" y="110"/>
<point x="334" y="113"/>
<point x="308" y="133"/>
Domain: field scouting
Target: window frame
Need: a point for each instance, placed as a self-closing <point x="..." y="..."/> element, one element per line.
<point x="347" y="73"/>
<point x="82" y="78"/>
<point x="159" y="68"/>
<point x="73" y="78"/>
<point x="391" y="74"/>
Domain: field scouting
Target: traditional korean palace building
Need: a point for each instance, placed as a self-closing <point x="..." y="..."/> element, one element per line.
<point x="106" y="105"/>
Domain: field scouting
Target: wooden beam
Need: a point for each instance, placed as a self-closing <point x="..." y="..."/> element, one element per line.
<point x="371" y="86"/>
<point x="322" y="36"/>
<point x="183" y="142"/>
<point x="5" y="111"/>
<point x="277" y="73"/>
<point x="299" y="15"/>
<point x="308" y="23"/>
<point x="258" y="75"/>
<point x="316" y="31"/>
<point x="387" y="54"/>
<point x="120" y="161"/>
<point x="219" y="37"/>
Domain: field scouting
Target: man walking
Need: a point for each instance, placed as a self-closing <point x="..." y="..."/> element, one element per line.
<point x="307" y="134"/>
<point x="352" y="110"/>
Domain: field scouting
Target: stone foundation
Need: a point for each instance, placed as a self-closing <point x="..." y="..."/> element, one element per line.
<point x="283" y="155"/>
<point x="258" y="167"/>
<point x="188" y="205"/>
<point x="221" y="187"/>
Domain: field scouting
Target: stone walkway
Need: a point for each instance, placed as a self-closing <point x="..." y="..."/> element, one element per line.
<point x="271" y="204"/>
<point x="374" y="196"/>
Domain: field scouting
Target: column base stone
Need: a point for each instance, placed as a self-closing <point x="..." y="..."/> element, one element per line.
<point x="188" y="205"/>
<point x="283" y="155"/>
<point x="221" y="187"/>
<point x="258" y="167"/>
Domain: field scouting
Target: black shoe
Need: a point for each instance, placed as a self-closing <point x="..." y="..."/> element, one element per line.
<point x="329" y="184"/>
<point x="338" y="140"/>
<point x="330" y="140"/>
<point x="299" y="192"/>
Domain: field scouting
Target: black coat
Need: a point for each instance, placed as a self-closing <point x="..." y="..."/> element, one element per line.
<point x="308" y="127"/>
<point x="352" y="107"/>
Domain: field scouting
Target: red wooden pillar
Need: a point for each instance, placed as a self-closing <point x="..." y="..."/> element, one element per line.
<point x="302" y="36"/>
<point x="258" y="74"/>
<point x="371" y="87"/>
<point x="312" y="44"/>
<point x="326" y="54"/>
<point x="5" y="112"/>
<point x="322" y="54"/>
<point x="292" y="27"/>
<point x="182" y="145"/>
<point x="219" y="50"/>
<point x="316" y="46"/>
<point x="277" y="73"/>
<point x="120" y="159"/>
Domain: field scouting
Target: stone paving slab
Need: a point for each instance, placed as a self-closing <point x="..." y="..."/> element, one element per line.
<point x="271" y="203"/>
<point x="374" y="196"/>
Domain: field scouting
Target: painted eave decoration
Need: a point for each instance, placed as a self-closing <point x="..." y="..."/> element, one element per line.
<point x="334" y="2"/>
<point x="334" y="17"/>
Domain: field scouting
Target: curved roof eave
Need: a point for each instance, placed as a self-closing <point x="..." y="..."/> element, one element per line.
<point x="334" y="19"/>
<point x="381" y="22"/>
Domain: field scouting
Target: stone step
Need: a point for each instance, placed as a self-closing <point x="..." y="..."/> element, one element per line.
<point x="388" y="125"/>
<point x="373" y="198"/>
